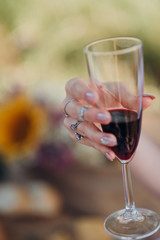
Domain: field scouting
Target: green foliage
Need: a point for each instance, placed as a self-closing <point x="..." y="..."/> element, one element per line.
<point x="48" y="36"/>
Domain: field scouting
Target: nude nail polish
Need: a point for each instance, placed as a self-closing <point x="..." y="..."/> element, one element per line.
<point x="103" y="117"/>
<point x="108" y="140"/>
<point x="91" y="97"/>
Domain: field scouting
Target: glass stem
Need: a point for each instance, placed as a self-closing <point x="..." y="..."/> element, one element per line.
<point x="128" y="188"/>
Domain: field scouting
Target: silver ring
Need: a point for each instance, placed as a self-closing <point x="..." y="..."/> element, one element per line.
<point x="82" y="111"/>
<point x="70" y="100"/>
<point x="78" y="136"/>
<point x="74" y="126"/>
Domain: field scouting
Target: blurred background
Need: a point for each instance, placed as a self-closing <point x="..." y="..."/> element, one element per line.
<point x="50" y="187"/>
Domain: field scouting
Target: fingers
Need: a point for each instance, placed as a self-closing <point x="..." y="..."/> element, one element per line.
<point x="90" y="114"/>
<point x="79" y="89"/>
<point x="146" y="101"/>
<point x="120" y="93"/>
<point x="78" y="93"/>
<point x="93" y="136"/>
<point x="92" y="132"/>
<point x="106" y="151"/>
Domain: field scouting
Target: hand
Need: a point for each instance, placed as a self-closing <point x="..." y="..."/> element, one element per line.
<point x="78" y="94"/>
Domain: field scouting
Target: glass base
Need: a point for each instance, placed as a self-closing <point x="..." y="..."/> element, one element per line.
<point x="137" y="224"/>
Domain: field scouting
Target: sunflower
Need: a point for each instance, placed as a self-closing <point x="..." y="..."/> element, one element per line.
<point x="21" y="126"/>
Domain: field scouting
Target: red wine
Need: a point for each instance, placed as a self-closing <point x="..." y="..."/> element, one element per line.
<point x="126" y="126"/>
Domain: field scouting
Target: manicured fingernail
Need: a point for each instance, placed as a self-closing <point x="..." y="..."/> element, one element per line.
<point x="149" y="95"/>
<point x="108" y="140"/>
<point x="103" y="117"/>
<point x="108" y="155"/>
<point x="91" y="97"/>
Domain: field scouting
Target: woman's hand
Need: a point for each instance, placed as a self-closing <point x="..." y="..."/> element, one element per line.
<point x="80" y="108"/>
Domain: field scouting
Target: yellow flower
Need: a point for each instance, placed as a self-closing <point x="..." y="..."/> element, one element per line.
<point x="21" y="126"/>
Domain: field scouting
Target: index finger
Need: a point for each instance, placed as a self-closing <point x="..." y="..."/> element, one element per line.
<point x="79" y="89"/>
<point x="120" y="93"/>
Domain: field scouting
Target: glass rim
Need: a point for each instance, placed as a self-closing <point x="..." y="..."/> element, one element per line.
<point x="116" y="52"/>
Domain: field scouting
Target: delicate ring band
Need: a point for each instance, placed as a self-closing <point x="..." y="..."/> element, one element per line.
<point x="70" y="100"/>
<point x="78" y="136"/>
<point x="82" y="111"/>
<point x="74" y="126"/>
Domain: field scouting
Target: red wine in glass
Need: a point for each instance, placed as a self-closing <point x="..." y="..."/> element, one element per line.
<point x="126" y="126"/>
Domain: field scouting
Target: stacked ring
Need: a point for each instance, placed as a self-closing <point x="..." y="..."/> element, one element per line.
<point x="82" y="111"/>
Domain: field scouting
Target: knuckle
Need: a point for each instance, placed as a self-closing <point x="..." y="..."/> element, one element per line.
<point x="65" y="122"/>
<point x="63" y="105"/>
<point x="76" y="87"/>
<point x="70" y="84"/>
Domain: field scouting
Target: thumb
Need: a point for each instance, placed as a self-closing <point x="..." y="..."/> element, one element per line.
<point x="147" y="100"/>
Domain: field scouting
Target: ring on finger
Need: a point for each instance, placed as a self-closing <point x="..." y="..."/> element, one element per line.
<point x="74" y="126"/>
<point x="82" y="111"/>
<point x="78" y="136"/>
<point x="70" y="100"/>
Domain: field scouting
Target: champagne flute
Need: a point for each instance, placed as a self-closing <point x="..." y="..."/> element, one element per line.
<point x="115" y="67"/>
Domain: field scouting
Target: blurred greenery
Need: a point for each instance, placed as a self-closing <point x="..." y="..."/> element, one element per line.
<point x="42" y="40"/>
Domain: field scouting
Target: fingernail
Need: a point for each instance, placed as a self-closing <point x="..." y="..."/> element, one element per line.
<point x="103" y="116"/>
<point x="108" y="155"/>
<point x="108" y="140"/>
<point x="149" y="95"/>
<point x="91" y="97"/>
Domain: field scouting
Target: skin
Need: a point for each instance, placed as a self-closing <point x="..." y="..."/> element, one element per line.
<point x="79" y="90"/>
<point x="146" y="164"/>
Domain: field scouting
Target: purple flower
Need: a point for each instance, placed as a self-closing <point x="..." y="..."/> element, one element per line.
<point x="56" y="158"/>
